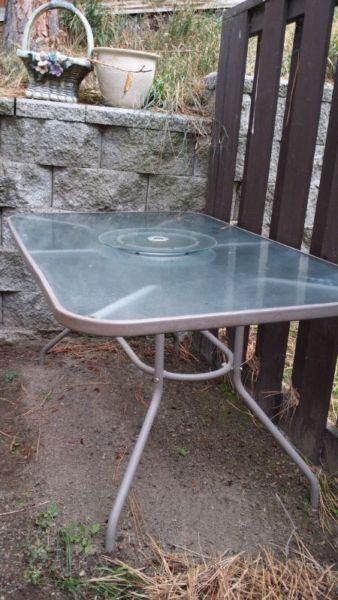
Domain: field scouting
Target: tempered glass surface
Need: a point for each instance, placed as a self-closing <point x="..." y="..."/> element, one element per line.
<point x="240" y="272"/>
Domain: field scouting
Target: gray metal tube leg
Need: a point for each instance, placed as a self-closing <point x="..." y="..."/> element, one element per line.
<point x="139" y="446"/>
<point x="51" y="344"/>
<point x="277" y="434"/>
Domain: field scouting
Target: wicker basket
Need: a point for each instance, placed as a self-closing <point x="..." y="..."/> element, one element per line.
<point x="55" y="76"/>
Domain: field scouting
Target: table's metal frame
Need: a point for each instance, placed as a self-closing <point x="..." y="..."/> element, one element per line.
<point x="232" y="365"/>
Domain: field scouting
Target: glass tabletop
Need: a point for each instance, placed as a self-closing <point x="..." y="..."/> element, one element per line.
<point x="151" y="272"/>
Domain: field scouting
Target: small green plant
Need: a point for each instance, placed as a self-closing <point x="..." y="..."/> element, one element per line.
<point x="46" y="519"/>
<point x="37" y="555"/>
<point x="15" y="446"/>
<point x="33" y="575"/>
<point x="182" y="451"/>
<point x="77" y="539"/>
<point x="47" y="396"/>
<point x="227" y="389"/>
<point x="50" y="556"/>
<point x="10" y="376"/>
<point x="69" y="584"/>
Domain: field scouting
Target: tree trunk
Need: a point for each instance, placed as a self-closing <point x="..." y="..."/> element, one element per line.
<point x="17" y="14"/>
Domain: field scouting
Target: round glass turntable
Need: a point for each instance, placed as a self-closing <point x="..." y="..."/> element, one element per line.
<point x="157" y="242"/>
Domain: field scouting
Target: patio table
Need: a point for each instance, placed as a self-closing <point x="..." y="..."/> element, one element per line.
<point x="126" y="274"/>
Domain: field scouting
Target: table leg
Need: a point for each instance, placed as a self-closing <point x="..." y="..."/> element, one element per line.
<point x="51" y="344"/>
<point x="275" y="432"/>
<point x="139" y="446"/>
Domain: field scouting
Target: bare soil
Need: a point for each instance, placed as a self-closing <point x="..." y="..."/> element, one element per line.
<point x="211" y="479"/>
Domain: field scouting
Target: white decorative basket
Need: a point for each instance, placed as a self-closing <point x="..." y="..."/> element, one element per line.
<point x="52" y="75"/>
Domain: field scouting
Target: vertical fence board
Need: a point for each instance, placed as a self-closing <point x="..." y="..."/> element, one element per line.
<point x="294" y="170"/>
<point x="262" y="117"/>
<point x="317" y="341"/>
<point x="314" y="367"/>
<point x="229" y="92"/>
<point x="301" y="126"/>
<point x="324" y="242"/>
<point x="272" y="339"/>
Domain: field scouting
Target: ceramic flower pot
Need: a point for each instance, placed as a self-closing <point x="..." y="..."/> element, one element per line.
<point x="125" y="76"/>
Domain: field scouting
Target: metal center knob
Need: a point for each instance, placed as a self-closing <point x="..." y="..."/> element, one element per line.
<point x="157" y="238"/>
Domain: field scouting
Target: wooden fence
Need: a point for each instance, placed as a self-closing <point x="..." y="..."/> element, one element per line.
<point x="157" y="6"/>
<point x="151" y="6"/>
<point x="317" y="341"/>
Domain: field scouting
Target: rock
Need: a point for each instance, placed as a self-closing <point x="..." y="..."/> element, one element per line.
<point x="201" y="162"/>
<point x="323" y="122"/>
<point x="46" y="109"/>
<point x="27" y="309"/>
<point x="24" y="185"/>
<point x="144" y="119"/>
<point x="210" y="81"/>
<point x="15" y="335"/>
<point x="7" y="106"/>
<point x="241" y="158"/>
<point x="50" y="142"/>
<point x="147" y="151"/>
<point x="92" y="189"/>
<point x="14" y="276"/>
<point x="176" y="193"/>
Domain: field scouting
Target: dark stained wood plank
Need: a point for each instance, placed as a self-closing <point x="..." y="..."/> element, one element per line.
<point x="234" y="37"/>
<point x="244" y="7"/>
<point x="301" y="125"/>
<point x="313" y="374"/>
<point x="262" y="117"/>
<point x="272" y="339"/>
<point x="206" y="349"/>
<point x="330" y="452"/>
<point x="317" y="342"/>
<point x="301" y="119"/>
<point x="271" y="351"/>
<point x="261" y="127"/>
<point x="324" y="240"/>
<point x="296" y="9"/>
<point x="229" y="92"/>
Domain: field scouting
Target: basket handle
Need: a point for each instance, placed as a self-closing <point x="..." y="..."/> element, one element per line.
<point x="50" y="6"/>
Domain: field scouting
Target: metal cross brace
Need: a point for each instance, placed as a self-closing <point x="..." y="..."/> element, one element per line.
<point x="234" y="365"/>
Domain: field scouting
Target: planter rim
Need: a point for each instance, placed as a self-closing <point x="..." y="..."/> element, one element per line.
<point x="129" y="51"/>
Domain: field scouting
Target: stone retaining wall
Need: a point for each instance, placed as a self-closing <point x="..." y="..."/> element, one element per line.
<point x="56" y="157"/>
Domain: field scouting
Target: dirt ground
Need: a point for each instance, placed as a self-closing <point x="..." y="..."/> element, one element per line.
<point x="211" y="480"/>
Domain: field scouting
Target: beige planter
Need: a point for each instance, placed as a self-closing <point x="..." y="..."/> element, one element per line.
<point x="125" y="76"/>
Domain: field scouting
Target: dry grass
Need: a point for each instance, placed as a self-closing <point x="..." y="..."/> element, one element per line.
<point x="290" y="394"/>
<point x="13" y="75"/>
<point x="239" y="577"/>
<point x="328" y="510"/>
<point x="187" y="41"/>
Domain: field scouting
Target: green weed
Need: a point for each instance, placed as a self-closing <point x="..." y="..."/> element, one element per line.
<point x="182" y="451"/>
<point x="77" y="539"/>
<point x="37" y="556"/>
<point x="10" y="376"/>
<point x="46" y="519"/>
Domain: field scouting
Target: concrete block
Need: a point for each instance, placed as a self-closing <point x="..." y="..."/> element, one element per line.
<point x="147" y="151"/>
<point x="99" y="189"/>
<point x="50" y="142"/>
